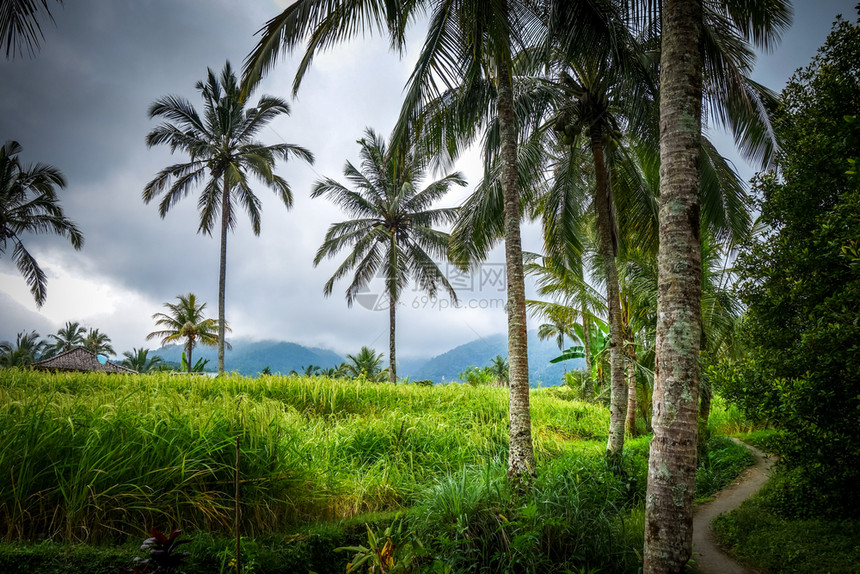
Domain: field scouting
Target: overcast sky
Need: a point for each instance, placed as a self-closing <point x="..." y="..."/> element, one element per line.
<point x="81" y="105"/>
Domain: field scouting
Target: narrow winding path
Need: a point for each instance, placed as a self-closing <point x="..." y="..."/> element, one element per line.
<point x="710" y="559"/>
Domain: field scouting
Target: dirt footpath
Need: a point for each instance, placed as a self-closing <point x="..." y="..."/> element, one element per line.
<point x="710" y="559"/>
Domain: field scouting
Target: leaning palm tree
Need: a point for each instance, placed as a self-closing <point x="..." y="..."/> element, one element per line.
<point x="140" y="360"/>
<point x="186" y="322"/>
<point x="71" y="335"/>
<point x="27" y="350"/>
<point x="29" y="203"/>
<point x="392" y="233"/>
<point x="223" y="153"/>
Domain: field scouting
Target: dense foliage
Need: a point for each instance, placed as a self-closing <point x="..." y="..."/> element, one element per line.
<point x="801" y="281"/>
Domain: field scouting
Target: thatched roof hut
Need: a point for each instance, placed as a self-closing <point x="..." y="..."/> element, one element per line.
<point x="79" y="359"/>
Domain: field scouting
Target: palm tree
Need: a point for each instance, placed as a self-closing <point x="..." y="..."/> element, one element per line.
<point x="365" y="364"/>
<point x="140" y="361"/>
<point x="19" y="25"/>
<point x="71" y="335"/>
<point x="500" y="371"/>
<point x="185" y="321"/>
<point x="672" y="462"/>
<point x="223" y="152"/>
<point x="467" y="40"/>
<point x="98" y="343"/>
<point x="27" y="350"/>
<point x="561" y="322"/>
<point x="29" y="203"/>
<point x="392" y="231"/>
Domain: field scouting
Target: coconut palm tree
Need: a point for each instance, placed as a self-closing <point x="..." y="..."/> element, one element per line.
<point x="561" y="321"/>
<point x="392" y="233"/>
<point x="29" y="203"/>
<point x="672" y="463"/>
<point x="98" y="343"/>
<point x="223" y="153"/>
<point x="71" y="335"/>
<point x="27" y="350"/>
<point x="366" y="363"/>
<point x="20" y="27"/>
<point x="139" y="360"/>
<point x="467" y="40"/>
<point x="500" y="371"/>
<point x="185" y="321"/>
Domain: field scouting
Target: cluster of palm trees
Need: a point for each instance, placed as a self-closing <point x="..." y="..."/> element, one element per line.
<point x="365" y="365"/>
<point x="590" y="114"/>
<point x="29" y="347"/>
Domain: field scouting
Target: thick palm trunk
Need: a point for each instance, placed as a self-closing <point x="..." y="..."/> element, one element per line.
<point x="521" y="461"/>
<point x="607" y="249"/>
<point x="188" y="348"/>
<point x="222" y="274"/>
<point x="672" y="464"/>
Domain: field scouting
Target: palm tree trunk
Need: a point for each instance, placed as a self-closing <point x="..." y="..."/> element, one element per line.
<point x="392" y="366"/>
<point x="188" y="347"/>
<point x="222" y="273"/>
<point x="630" y="424"/>
<point x="607" y="248"/>
<point x="672" y="464"/>
<point x="705" y="395"/>
<point x="586" y="346"/>
<point x="521" y="461"/>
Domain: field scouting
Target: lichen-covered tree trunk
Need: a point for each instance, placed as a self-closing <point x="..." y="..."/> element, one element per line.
<point x="607" y="248"/>
<point x="672" y="464"/>
<point x="521" y="461"/>
<point x="222" y="275"/>
<point x="630" y="424"/>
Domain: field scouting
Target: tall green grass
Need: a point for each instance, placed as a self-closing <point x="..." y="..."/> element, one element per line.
<point x="90" y="457"/>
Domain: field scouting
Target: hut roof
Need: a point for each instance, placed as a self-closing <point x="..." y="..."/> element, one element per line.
<point x="79" y="359"/>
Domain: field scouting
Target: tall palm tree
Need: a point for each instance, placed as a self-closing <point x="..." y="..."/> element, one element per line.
<point x="98" y="343"/>
<point x="139" y="360"/>
<point x="366" y="363"/>
<point x="392" y="233"/>
<point x="20" y="27"/>
<point x="223" y="153"/>
<point x="29" y="203"/>
<point x="185" y="321"/>
<point x="27" y="350"/>
<point x="466" y="40"/>
<point x="71" y="335"/>
<point x="672" y="463"/>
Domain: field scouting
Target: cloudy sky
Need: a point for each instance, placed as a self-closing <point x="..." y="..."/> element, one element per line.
<point x="81" y="105"/>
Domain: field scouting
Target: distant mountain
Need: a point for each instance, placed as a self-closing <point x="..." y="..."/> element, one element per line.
<point x="448" y="366"/>
<point x="251" y="357"/>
